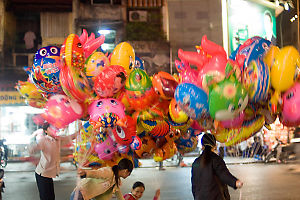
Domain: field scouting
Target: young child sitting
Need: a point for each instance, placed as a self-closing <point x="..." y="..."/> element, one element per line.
<point x="137" y="191"/>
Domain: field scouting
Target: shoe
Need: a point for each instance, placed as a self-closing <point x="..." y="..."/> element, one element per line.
<point x="182" y="164"/>
<point x="161" y="169"/>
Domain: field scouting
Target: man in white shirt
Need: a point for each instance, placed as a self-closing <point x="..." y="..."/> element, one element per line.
<point x="49" y="164"/>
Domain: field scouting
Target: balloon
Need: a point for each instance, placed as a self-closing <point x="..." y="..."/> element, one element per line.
<point x="187" y="142"/>
<point x="110" y="81"/>
<point x="139" y="91"/>
<point x="48" y="51"/>
<point x="234" y="123"/>
<point x="156" y="127"/>
<point x="291" y="104"/>
<point x="45" y="75"/>
<point x="256" y="80"/>
<point x="164" y="85"/>
<point x="123" y="55"/>
<point x="124" y="134"/>
<point x="92" y="44"/>
<point x="176" y="114"/>
<point x="75" y="84"/>
<point x="235" y="135"/>
<point x="166" y="152"/>
<point x="139" y="63"/>
<point x="106" y="150"/>
<point x="61" y="111"/>
<point x="192" y="100"/>
<point x="136" y="143"/>
<point x="31" y="94"/>
<point x="105" y="112"/>
<point x="95" y="63"/>
<point x="72" y="52"/>
<point x="270" y="56"/>
<point x="187" y="74"/>
<point x="227" y="99"/>
<point x="147" y="147"/>
<point x="284" y="68"/>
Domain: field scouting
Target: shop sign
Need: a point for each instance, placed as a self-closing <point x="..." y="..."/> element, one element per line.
<point x="11" y="98"/>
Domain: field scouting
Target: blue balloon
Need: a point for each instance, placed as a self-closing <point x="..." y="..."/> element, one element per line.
<point x="47" y="51"/>
<point x="192" y="100"/>
<point x="139" y="63"/>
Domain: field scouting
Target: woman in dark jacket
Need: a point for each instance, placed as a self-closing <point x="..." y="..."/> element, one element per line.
<point x="210" y="175"/>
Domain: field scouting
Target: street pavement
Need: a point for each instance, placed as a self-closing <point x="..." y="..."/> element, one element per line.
<point x="261" y="181"/>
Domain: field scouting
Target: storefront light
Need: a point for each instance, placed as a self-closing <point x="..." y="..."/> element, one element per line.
<point x="104" y="32"/>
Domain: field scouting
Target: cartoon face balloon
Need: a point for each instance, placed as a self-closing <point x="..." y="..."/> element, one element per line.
<point x="227" y="99"/>
<point x="192" y="100"/>
<point x="124" y="134"/>
<point x="45" y="75"/>
<point x="61" y="111"/>
<point x="291" y="104"/>
<point x="106" y="112"/>
<point x="48" y="51"/>
<point x="106" y="150"/>
<point x="110" y="81"/>
<point x="176" y="114"/>
<point x="123" y="55"/>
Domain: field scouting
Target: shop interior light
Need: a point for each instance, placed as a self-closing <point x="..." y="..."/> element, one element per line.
<point x="104" y="32"/>
<point x="286" y="6"/>
<point x="104" y="46"/>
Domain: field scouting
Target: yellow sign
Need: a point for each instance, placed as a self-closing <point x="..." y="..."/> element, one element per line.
<point x="11" y="98"/>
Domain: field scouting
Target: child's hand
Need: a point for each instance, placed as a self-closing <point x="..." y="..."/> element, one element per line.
<point x="157" y="193"/>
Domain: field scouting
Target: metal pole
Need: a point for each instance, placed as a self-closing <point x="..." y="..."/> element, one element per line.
<point x="298" y="36"/>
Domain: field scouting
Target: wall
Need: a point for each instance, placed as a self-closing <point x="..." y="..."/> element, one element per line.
<point x="189" y="20"/>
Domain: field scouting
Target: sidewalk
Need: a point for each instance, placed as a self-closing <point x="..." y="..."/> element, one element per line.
<point x="145" y="163"/>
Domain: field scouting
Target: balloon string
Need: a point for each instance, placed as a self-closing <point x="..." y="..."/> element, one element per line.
<point x="240" y="194"/>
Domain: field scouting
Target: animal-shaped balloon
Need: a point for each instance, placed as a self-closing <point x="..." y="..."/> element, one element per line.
<point x="105" y="112"/>
<point x="136" y="143"/>
<point x="139" y="90"/>
<point x="90" y="44"/>
<point x="110" y="81"/>
<point x="192" y="100"/>
<point x="291" y="104"/>
<point x="164" y="85"/>
<point x="95" y="63"/>
<point x="45" y="75"/>
<point x="176" y="114"/>
<point x="227" y="99"/>
<point x="61" y="111"/>
<point x="139" y="63"/>
<point x="147" y="147"/>
<point x="48" y="51"/>
<point x="123" y="134"/>
<point x="106" y="150"/>
<point x="123" y="55"/>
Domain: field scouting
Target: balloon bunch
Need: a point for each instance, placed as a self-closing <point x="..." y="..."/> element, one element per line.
<point x="234" y="97"/>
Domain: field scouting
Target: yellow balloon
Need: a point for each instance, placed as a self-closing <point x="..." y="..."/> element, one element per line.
<point x="271" y="55"/>
<point x="95" y="64"/>
<point x="284" y="68"/>
<point x="123" y="55"/>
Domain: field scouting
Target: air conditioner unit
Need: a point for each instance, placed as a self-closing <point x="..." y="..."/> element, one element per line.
<point x="138" y="16"/>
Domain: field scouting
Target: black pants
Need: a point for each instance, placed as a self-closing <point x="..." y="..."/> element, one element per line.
<point x="45" y="187"/>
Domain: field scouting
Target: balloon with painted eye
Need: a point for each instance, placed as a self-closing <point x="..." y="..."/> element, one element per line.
<point x="72" y="53"/>
<point x="106" y="150"/>
<point x="105" y="112"/>
<point x="123" y="55"/>
<point x="61" y="111"/>
<point x="156" y="127"/>
<point x="45" y="75"/>
<point x="147" y="147"/>
<point x="110" y="81"/>
<point x="123" y="148"/>
<point x="256" y="80"/>
<point x="139" y="91"/>
<point x="164" y="85"/>
<point x="123" y="134"/>
<point x="136" y="143"/>
<point x="192" y="100"/>
<point x="227" y="99"/>
<point x="291" y="104"/>
<point x="95" y="63"/>
<point x="48" y="51"/>
<point x="75" y="84"/>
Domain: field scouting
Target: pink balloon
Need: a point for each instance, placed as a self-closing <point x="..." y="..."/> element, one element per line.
<point x="92" y="44"/>
<point x="291" y="104"/>
<point x="103" y="106"/>
<point x="106" y="150"/>
<point x="60" y="111"/>
<point x="234" y="123"/>
<point x="84" y="36"/>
